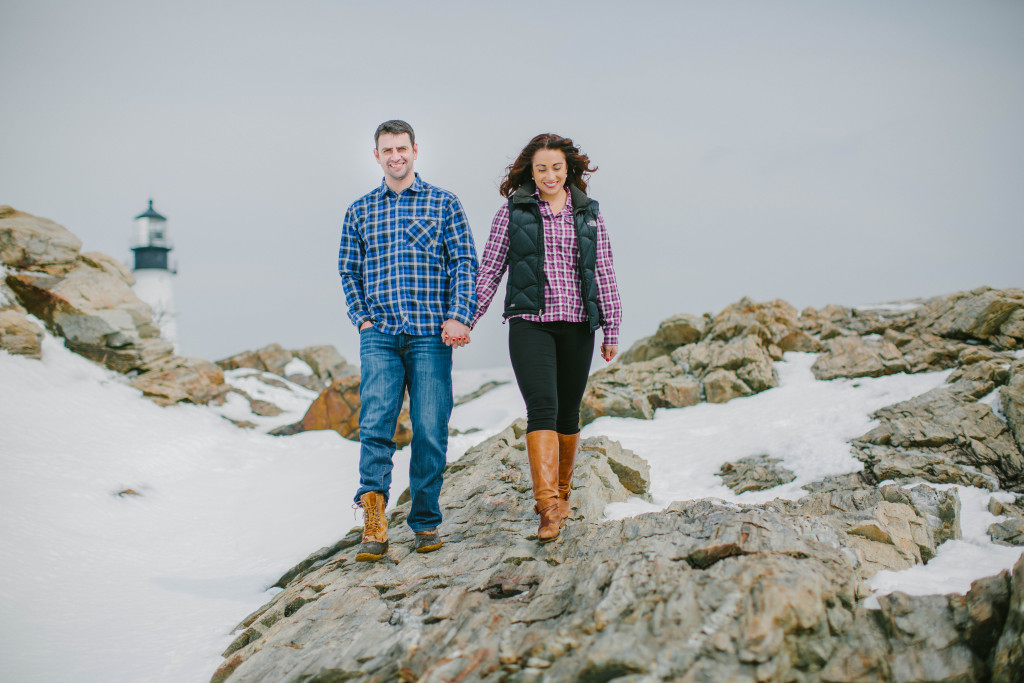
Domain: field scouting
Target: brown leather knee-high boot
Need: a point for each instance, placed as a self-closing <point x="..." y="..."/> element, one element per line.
<point x="542" y="450"/>
<point x="568" y="445"/>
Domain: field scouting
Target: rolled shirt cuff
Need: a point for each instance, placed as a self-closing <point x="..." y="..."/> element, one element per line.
<point x="461" y="316"/>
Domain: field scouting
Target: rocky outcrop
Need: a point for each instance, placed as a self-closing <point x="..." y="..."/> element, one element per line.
<point x="672" y="333"/>
<point x="314" y="367"/>
<point x="957" y="427"/>
<point x="995" y="316"/>
<point x="1011" y="397"/>
<point x="734" y="358"/>
<point x="176" y="379"/>
<point x="86" y="298"/>
<point x="858" y="357"/>
<point x="702" y="591"/>
<point x="715" y="359"/>
<point x="94" y="309"/>
<point x="29" y="242"/>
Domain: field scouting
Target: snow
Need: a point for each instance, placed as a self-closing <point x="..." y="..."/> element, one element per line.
<point x="803" y="422"/>
<point x="993" y="401"/>
<point x="893" y="306"/>
<point x="106" y="587"/>
<point x="297" y="366"/>
<point x="292" y="398"/>
<point x="100" y="587"/>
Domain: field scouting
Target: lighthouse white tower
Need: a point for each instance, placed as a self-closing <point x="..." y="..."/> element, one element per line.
<point x="154" y="278"/>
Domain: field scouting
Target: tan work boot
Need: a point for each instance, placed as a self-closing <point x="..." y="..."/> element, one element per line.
<point x="375" y="527"/>
<point x="568" y="445"/>
<point x="542" y="451"/>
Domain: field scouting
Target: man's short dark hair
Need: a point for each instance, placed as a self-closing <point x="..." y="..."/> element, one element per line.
<point x="395" y="127"/>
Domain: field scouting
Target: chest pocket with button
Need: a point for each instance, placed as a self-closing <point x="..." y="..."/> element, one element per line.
<point x="424" y="234"/>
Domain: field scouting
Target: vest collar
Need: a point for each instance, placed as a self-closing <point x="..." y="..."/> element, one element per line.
<point x="524" y="195"/>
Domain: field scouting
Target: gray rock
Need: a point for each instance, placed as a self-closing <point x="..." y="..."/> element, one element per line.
<point x="270" y="358"/>
<point x="177" y="379"/>
<point x="962" y="430"/>
<point x="979" y="314"/>
<point x="1011" y="398"/>
<point x="324" y="361"/>
<point x="755" y="473"/>
<point x="928" y="353"/>
<point x="978" y="379"/>
<point x="858" y="357"/>
<point x="722" y="385"/>
<point x="699" y="592"/>
<point x="29" y="242"/>
<point x="1008" y="532"/>
<point x="770" y="321"/>
<point x="914" y="465"/>
<point x="672" y="333"/>
<point x="91" y="305"/>
<point x="1008" y="657"/>
<point x="637" y="389"/>
<point x="799" y="340"/>
<point x="886" y="528"/>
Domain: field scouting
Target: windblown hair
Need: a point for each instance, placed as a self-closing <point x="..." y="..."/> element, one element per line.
<point x="395" y="127"/>
<point x="520" y="171"/>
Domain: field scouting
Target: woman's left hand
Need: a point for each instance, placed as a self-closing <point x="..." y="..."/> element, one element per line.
<point x="608" y="351"/>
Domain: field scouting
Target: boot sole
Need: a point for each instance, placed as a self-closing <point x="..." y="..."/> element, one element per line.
<point x="548" y="540"/>
<point x="364" y="555"/>
<point x="429" y="548"/>
<point x="368" y="557"/>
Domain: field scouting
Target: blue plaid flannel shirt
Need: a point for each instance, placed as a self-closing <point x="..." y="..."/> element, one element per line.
<point x="407" y="261"/>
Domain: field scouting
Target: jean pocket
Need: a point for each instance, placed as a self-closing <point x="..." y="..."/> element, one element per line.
<point x="425" y="235"/>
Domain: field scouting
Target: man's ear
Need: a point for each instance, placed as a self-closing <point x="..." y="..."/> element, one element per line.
<point x="415" y="151"/>
<point x="376" y="155"/>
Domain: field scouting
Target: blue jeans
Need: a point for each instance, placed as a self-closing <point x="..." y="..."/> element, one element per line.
<point x="390" y="364"/>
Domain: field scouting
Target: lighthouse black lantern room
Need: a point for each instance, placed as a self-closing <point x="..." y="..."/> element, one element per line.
<point x="151" y="243"/>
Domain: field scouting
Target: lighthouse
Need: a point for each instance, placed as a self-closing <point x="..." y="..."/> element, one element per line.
<point x="154" y="277"/>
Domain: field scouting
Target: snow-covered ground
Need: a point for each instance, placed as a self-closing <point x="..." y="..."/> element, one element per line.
<point x="102" y="585"/>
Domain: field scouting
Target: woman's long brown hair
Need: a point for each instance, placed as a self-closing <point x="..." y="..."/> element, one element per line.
<point x="521" y="170"/>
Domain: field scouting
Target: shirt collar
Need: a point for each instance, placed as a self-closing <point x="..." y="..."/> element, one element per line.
<point x="568" y="197"/>
<point x="417" y="186"/>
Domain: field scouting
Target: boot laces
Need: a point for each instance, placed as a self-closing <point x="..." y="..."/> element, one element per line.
<point x="371" y="520"/>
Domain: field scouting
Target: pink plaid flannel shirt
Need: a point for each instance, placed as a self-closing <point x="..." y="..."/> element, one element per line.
<point x="562" y="300"/>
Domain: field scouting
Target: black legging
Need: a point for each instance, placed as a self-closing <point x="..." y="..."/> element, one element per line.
<point x="551" y="362"/>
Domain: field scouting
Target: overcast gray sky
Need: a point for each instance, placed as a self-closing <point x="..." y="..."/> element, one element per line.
<point x="817" y="152"/>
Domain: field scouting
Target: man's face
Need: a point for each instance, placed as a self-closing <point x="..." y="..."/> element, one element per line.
<point x="395" y="154"/>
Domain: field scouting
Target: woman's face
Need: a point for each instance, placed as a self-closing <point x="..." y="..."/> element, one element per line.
<point x="549" y="172"/>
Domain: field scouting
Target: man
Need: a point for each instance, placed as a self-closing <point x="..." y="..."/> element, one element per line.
<point x="407" y="263"/>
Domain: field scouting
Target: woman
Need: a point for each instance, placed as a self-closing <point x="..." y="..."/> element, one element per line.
<point x="561" y="287"/>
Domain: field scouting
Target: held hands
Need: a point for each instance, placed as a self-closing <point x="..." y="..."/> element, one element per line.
<point x="609" y="351"/>
<point x="454" y="334"/>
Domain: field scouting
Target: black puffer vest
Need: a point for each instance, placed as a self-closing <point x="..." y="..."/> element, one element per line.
<point x="525" y="292"/>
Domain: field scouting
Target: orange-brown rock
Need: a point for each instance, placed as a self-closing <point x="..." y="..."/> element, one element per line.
<point x="19" y="335"/>
<point x="177" y="379"/>
<point x="337" y="408"/>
